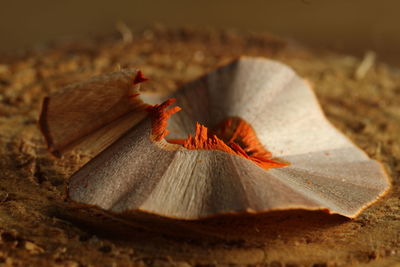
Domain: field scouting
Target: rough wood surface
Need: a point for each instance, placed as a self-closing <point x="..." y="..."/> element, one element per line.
<point x="39" y="227"/>
<point x="79" y="110"/>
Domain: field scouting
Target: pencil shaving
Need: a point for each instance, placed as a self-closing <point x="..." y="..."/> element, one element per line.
<point x="249" y="137"/>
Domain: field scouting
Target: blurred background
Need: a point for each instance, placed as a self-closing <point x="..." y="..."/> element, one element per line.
<point x="351" y="26"/>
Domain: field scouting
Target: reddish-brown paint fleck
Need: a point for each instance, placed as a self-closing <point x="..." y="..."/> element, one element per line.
<point x="203" y="139"/>
<point x="234" y="136"/>
<point x="240" y="132"/>
<point x="139" y="78"/>
<point x="132" y="96"/>
<point x="159" y="118"/>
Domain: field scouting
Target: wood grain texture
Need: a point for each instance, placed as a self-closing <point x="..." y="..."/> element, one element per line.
<point x="39" y="228"/>
<point x="327" y="171"/>
<point x="80" y="110"/>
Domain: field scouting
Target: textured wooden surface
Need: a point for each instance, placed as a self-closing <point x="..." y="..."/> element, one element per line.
<point x="39" y="227"/>
<point x="86" y="106"/>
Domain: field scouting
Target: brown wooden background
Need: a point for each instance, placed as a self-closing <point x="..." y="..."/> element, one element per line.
<point x="348" y="25"/>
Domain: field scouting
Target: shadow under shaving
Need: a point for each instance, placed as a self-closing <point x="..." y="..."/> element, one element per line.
<point x="144" y="227"/>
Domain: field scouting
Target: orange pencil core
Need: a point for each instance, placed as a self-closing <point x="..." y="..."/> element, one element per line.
<point x="233" y="135"/>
